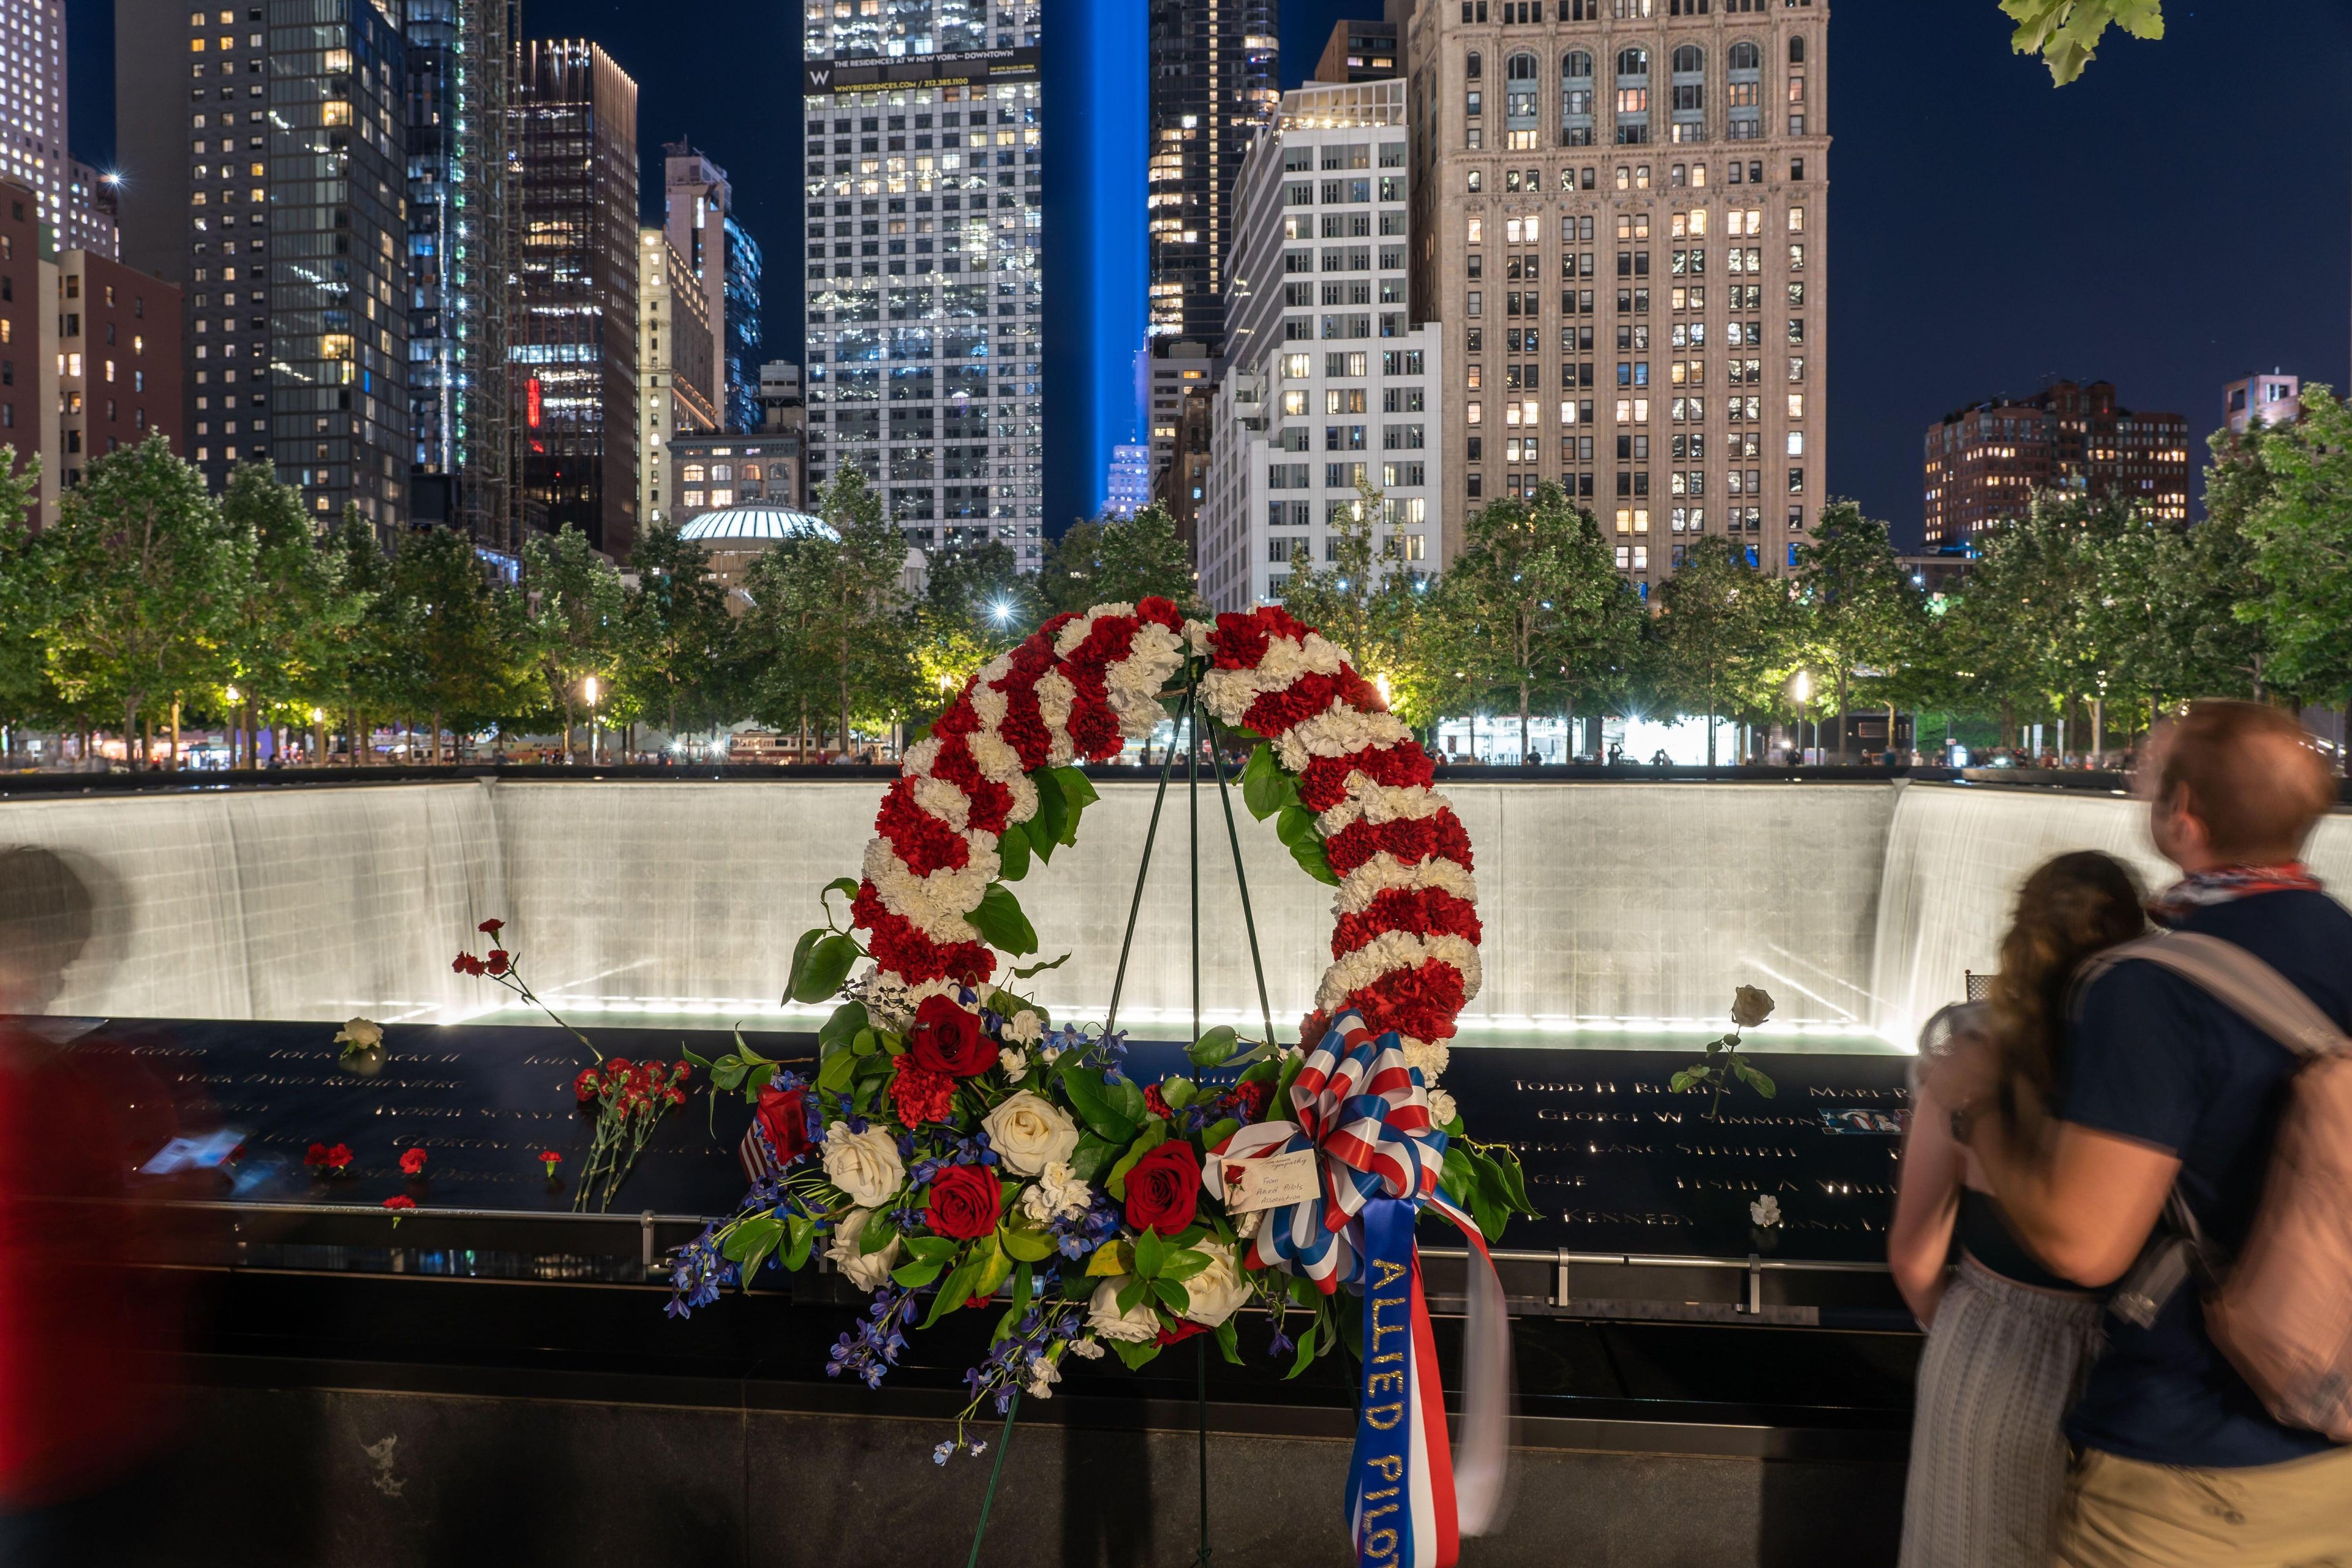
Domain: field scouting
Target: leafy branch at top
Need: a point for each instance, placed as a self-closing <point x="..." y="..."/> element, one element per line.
<point x="2064" y="32"/>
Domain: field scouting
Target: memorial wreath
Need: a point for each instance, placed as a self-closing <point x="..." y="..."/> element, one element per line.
<point x="957" y="1149"/>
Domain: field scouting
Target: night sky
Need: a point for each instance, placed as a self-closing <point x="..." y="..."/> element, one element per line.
<point x="2179" y="216"/>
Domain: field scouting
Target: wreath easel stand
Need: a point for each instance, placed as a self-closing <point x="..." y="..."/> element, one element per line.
<point x="1190" y="717"/>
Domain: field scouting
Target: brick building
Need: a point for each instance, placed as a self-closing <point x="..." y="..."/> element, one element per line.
<point x="1986" y="462"/>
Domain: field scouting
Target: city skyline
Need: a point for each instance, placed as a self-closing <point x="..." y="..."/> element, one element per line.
<point x="1942" y="303"/>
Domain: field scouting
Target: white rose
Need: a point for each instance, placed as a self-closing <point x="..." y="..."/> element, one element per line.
<point x="360" y="1035"/>
<point x="865" y="1166"/>
<point x="1028" y="1133"/>
<point x="1058" y="1194"/>
<point x="1136" y="1325"/>
<point x="1014" y="1064"/>
<point x="1216" y="1292"/>
<point x="867" y="1271"/>
<point x="1765" y="1211"/>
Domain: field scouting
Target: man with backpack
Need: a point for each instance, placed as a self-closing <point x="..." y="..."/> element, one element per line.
<point x="2195" y="1437"/>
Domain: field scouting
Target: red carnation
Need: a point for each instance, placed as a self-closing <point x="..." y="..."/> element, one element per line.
<point x="491" y="928"/>
<point x="467" y="963"/>
<point x="947" y="1038"/>
<point x="584" y="1087"/>
<point x="920" y="1095"/>
<point x="550" y="1159"/>
<point x="1164" y="1189"/>
<point x="783" y="1116"/>
<point x="1249" y="1098"/>
<point x="400" y="1201"/>
<point x="338" y="1157"/>
<point x="499" y="962"/>
<point x="619" y="1066"/>
<point x="964" y="1203"/>
<point x="413" y="1162"/>
<point x="316" y="1157"/>
<point x="1156" y="1102"/>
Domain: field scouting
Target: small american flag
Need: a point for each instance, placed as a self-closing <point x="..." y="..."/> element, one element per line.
<point x="757" y="1154"/>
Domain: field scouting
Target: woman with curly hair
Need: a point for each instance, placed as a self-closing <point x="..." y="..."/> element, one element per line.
<point x="2009" y="1343"/>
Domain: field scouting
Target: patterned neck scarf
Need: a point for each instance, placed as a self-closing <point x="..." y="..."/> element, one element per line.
<point x="2201" y="890"/>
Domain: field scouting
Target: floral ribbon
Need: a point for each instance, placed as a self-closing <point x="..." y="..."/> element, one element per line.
<point x="1365" y="1114"/>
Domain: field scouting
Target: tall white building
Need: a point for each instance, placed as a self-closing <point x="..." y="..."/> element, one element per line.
<point x="33" y="127"/>
<point x="675" y="354"/>
<point x="925" y="294"/>
<point x="1330" y="382"/>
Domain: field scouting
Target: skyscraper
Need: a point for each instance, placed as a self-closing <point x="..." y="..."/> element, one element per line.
<point x="1361" y="52"/>
<point x="1330" y="383"/>
<point x="1216" y="79"/>
<point x="33" y="127"/>
<point x="924" y="297"/>
<point x="675" y="352"/>
<point x="575" y="348"/>
<point x="1622" y="208"/>
<point x="460" y="224"/>
<point x="263" y="171"/>
<point x="1986" y="463"/>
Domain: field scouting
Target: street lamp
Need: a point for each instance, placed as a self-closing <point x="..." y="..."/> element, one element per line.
<point x="1803" y="688"/>
<point x="589" y="687"/>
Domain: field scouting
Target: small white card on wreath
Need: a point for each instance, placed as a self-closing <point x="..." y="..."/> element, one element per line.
<point x="1271" y="1181"/>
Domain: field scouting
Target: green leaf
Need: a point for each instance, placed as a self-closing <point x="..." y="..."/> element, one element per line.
<point x="804" y="1235"/>
<point x="1137" y="1356"/>
<point x="864" y="1043"/>
<point x="957" y="1289"/>
<point x="914" y="1275"/>
<point x="1013" y="849"/>
<point x="759" y="1232"/>
<point x="1755" y="1077"/>
<point x="1212" y="1050"/>
<point x="878" y="1232"/>
<point x="1308" y="853"/>
<point x="1155" y="1133"/>
<point x="1229" y="1340"/>
<point x="1034" y="969"/>
<point x="1091" y="1099"/>
<point x="1127" y="1099"/>
<point x="839" y="1068"/>
<point x="1028" y="1246"/>
<point x="1306" y="1350"/>
<point x="994" y="1268"/>
<point x="1092" y="1154"/>
<point x="1178" y="1093"/>
<point x="1023" y="1288"/>
<point x="1681" y="1081"/>
<point x="1265" y="788"/>
<point x="1294" y="822"/>
<point x="827" y="967"/>
<point x="1130" y="1293"/>
<point x="1111" y="1259"/>
<point x="1150" y="1252"/>
<point x="1179" y="1300"/>
<point x="1219" y="1133"/>
<point x="1078" y="792"/>
<point x="700" y="1062"/>
<point x="801" y="951"/>
<point x="1001" y="924"/>
<point x="929" y="1248"/>
<point x="843" y="1023"/>
<point x="1183" y="1263"/>
<point x="846" y="886"/>
<point x="727" y="1072"/>
<point x="1052" y="815"/>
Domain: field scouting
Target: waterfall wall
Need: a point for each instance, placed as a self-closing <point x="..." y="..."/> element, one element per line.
<point x="1859" y="904"/>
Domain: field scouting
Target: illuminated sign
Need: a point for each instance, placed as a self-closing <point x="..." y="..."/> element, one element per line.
<point x="974" y="66"/>
<point x="531" y="403"/>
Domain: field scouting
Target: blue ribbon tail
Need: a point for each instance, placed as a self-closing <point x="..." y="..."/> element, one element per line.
<point x="1380" y="1474"/>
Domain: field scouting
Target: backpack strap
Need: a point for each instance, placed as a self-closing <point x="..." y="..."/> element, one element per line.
<point x="2264" y="998"/>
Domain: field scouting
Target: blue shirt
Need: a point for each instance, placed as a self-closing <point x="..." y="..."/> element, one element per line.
<point x="2156" y="1059"/>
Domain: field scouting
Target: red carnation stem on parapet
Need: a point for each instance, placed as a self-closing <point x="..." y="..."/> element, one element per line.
<point x="506" y="968"/>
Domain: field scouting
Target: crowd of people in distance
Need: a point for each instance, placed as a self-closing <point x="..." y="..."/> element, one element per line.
<point x="2107" y="1144"/>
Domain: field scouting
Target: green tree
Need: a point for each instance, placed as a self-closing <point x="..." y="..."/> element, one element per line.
<point x="455" y="637"/>
<point x="1543" y="610"/>
<point x="573" y="624"/>
<point x="1721" y="633"/>
<point x="287" y="615"/>
<point x="1339" y="601"/>
<point x="2302" y="534"/>
<point x="146" y="577"/>
<point x="832" y="621"/>
<point x="27" y="604"/>
<point x="1120" y="562"/>
<point x="679" y="637"/>
<point x="976" y="604"/>
<point x="358" y="667"/>
<point x="1859" y="606"/>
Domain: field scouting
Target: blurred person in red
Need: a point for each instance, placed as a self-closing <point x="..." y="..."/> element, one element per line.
<point x="87" y="1337"/>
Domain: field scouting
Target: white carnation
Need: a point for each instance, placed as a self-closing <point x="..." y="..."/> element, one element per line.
<point x="1442" y="1109"/>
<point x="1014" y="1064"/>
<point x="1427" y="1057"/>
<point x="1089" y="1346"/>
<point x="1056" y="1194"/>
<point x="1042" y="1375"/>
<point x="1024" y="1027"/>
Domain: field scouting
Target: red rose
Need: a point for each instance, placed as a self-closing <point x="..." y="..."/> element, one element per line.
<point x="1164" y="1188"/>
<point x="1184" y="1330"/>
<point x="491" y="928"/>
<point x="499" y="962"/>
<point x="920" y="1095"/>
<point x="413" y="1162"/>
<point x="783" y="1116"/>
<point x="964" y="1203"/>
<point x="584" y="1087"/>
<point x="947" y="1039"/>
